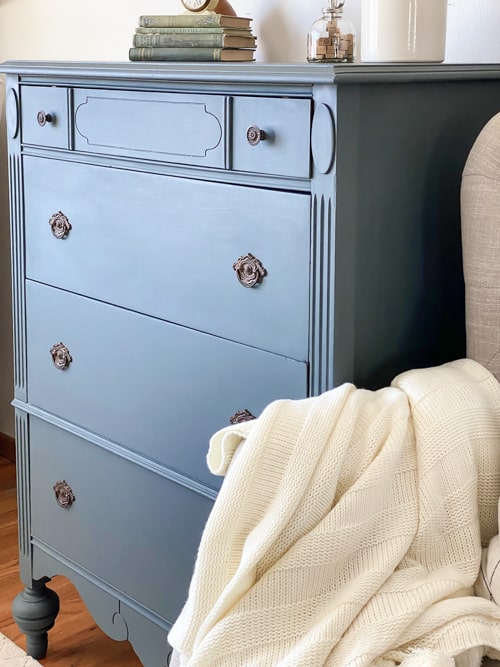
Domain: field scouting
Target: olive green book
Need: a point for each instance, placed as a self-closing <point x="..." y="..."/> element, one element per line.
<point x="193" y="20"/>
<point x="193" y="40"/>
<point x="200" y="54"/>
<point x="182" y="30"/>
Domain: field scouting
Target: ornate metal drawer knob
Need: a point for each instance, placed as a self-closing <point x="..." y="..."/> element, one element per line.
<point x="249" y="270"/>
<point x="241" y="416"/>
<point x="64" y="494"/>
<point x="255" y="135"/>
<point x="60" y="225"/>
<point x="60" y="356"/>
<point x="43" y="118"/>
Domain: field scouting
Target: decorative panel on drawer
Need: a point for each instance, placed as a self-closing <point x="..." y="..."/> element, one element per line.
<point x="176" y="128"/>
<point x="191" y="242"/>
<point x="188" y="234"/>
<point x="155" y="387"/>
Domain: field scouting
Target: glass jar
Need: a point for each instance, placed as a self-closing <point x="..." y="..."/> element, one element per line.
<point x="332" y="38"/>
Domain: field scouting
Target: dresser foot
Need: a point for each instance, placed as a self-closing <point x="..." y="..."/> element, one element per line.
<point x="35" y="611"/>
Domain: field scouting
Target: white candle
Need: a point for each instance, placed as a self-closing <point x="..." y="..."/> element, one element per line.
<point x="403" y="30"/>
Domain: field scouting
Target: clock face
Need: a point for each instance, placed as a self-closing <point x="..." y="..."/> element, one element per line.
<point x="200" y="5"/>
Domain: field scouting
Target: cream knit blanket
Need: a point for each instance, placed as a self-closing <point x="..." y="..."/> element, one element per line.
<point x="348" y="529"/>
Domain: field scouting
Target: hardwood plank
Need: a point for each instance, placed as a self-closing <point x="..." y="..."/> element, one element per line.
<point x="7" y="447"/>
<point x="75" y="641"/>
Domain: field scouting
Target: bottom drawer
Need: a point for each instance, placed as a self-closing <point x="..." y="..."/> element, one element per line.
<point x="129" y="526"/>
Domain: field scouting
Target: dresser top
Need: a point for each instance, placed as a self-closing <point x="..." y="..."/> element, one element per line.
<point x="256" y="73"/>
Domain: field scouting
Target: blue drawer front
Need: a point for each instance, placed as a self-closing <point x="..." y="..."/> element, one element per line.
<point x="156" y="388"/>
<point x="44" y="116"/>
<point x="166" y="247"/>
<point x="128" y="526"/>
<point x="285" y="145"/>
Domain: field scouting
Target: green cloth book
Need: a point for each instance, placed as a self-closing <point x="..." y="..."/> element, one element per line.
<point x="193" y="20"/>
<point x="195" y="54"/>
<point x="183" y="40"/>
<point x="183" y="30"/>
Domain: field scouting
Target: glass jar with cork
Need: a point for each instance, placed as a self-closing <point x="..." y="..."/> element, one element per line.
<point x="332" y="38"/>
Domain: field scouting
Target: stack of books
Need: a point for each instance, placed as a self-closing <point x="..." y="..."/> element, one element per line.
<point x="193" y="37"/>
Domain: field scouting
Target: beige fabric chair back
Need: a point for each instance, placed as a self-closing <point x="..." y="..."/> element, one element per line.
<point x="480" y="203"/>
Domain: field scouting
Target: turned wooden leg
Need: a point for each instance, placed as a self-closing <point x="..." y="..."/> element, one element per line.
<point x="35" y="611"/>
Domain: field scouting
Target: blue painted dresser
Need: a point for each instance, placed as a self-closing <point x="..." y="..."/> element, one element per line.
<point x="189" y="243"/>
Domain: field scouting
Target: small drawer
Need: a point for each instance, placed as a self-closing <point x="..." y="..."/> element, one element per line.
<point x="126" y="524"/>
<point x="44" y="116"/>
<point x="187" y="129"/>
<point x="172" y="248"/>
<point x="271" y="136"/>
<point x="157" y="388"/>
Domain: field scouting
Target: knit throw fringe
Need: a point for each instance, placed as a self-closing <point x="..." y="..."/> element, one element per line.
<point x="426" y="658"/>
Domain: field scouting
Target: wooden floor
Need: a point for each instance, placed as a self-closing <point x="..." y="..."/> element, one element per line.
<point x="75" y="640"/>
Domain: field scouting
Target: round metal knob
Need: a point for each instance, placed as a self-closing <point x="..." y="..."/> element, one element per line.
<point x="60" y="225"/>
<point x="60" y="356"/>
<point x="249" y="270"/>
<point x="43" y="118"/>
<point x="241" y="416"/>
<point x="64" y="494"/>
<point x="255" y="135"/>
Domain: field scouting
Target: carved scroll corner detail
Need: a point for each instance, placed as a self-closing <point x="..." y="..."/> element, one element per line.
<point x="215" y="118"/>
<point x="80" y="111"/>
<point x="120" y="627"/>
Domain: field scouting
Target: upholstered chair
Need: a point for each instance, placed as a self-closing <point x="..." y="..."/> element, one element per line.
<point x="480" y="202"/>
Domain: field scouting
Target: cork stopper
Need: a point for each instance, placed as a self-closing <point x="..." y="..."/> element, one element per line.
<point x="334" y="6"/>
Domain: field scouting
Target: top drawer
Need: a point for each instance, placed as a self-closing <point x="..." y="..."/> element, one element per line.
<point x="188" y="129"/>
<point x="44" y="116"/>
<point x="271" y="136"/>
<point x="264" y="135"/>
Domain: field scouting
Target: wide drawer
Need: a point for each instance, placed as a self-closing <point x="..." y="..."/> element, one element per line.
<point x="133" y="528"/>
<point x="271" y="136"/>
<point x="188" y="129"/>
<point x="44" y="116"/>
<point x="168" y="247"/>
<point x="156" y="388"/>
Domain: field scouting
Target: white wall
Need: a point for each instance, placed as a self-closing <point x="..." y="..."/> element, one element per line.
<point x="473" y="31"/>
<point x="102" y="30"/>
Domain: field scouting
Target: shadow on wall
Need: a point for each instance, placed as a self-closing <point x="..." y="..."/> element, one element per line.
<point x="6" y="363"/>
